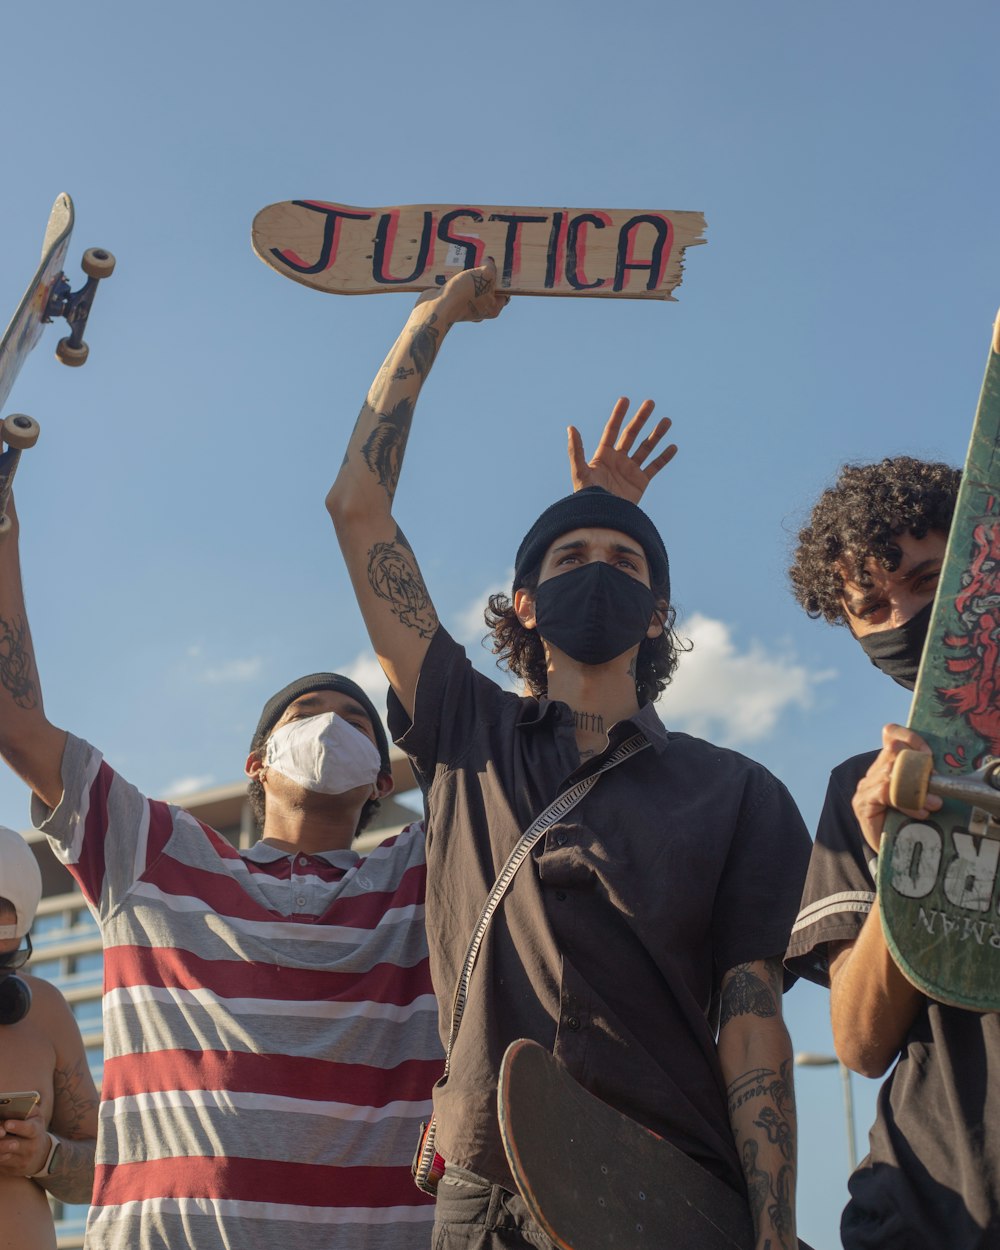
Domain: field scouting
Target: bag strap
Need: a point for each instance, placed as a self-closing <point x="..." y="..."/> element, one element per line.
<point x="555" y="811"/>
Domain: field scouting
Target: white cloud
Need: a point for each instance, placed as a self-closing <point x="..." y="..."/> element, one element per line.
<point x="367" y="672"/>
<point x="188" y="785"/>
<point x="730" y="696"/>
<point x="234" y="671"/>
<point x="468" y="627"/>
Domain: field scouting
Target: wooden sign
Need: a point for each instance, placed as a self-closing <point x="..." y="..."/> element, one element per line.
<point x="614" y="253"/>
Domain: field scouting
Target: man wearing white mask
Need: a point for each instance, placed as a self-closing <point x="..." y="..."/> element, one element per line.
<point x="270" y="1030"/>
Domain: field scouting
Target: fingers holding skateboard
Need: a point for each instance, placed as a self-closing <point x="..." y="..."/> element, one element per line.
<point x="471" y="295"/>
<point x="874" y="794"/>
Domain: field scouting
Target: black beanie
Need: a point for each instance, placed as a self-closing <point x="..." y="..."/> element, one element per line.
<point x="275" y="707"/>
<point x="593" y="506"/>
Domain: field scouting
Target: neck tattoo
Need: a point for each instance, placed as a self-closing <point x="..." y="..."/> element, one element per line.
<point x="592" y="722"/>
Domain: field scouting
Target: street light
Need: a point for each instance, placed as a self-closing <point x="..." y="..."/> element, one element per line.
<point x="806" y="1059"/>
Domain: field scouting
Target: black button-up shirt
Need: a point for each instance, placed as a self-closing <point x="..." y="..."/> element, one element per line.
<point x="611" y="943"/>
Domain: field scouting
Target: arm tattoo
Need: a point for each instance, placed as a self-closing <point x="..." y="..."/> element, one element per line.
<point x="769" y="1195"/>
<point x="72" y="1097"/>
<point x="17" y="667"/>
<point x="383" y="451"/>
<point x="424" y="345"/>
<point x="72" y="1179"/>
<point x="394" y="577"/>
<point x="746" y="994"/>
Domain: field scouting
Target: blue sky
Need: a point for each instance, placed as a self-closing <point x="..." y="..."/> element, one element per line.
<point x="179" y="564"/>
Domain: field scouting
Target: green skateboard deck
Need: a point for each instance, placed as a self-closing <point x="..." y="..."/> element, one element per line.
<point x="938" y="878"/>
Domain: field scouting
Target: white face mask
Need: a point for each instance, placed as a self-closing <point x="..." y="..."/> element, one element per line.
<point x="323" y="753"/>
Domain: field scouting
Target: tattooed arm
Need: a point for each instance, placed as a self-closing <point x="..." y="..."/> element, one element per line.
<point x="390" y="590"/>
<point x="28" y="742"/>
<point x="755" y="1054"/>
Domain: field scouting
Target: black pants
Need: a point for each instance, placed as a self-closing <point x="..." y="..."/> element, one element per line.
<point x="472" y="1214"/>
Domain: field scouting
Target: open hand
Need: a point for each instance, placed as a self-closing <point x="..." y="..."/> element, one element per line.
<point x="871" y="798"/>
<point x="612" y="466"/>
<point x="470" y="295"/>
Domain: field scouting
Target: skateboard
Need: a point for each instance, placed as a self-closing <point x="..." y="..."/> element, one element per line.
<point x="938" y="878"/>
<point x="49" y="296"/>
<point x="613" y="253"/>
<point x="595" y="1180"/>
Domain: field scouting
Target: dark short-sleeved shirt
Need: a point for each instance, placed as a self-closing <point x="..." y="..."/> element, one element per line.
<point x="932" y="1179"/>
<point x="610" y="946"/>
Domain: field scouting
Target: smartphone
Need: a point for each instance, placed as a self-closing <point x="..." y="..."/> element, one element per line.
<point x="18" y="1106"/>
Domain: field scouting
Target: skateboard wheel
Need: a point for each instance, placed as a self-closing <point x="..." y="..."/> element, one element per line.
<point x="97" y="263"/>
<point x="5" y="526"/>
<point x="911" y="774"/>
<point x="20" y="431"/>
<point x="70" y="355"/>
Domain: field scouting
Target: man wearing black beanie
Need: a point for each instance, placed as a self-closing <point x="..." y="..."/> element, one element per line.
<point x="270" y="1027"/>
<point x="641" y="941"/>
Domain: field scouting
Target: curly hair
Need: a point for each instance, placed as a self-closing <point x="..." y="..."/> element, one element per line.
<point x="522" y="652"/>
<point x="859" y="517"/>
<point x="256" y="798"/>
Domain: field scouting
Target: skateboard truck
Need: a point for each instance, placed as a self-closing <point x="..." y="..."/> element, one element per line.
<point x="913" y="778"/>
<point x="19" y="432"/>
<point x="74" y="306"/>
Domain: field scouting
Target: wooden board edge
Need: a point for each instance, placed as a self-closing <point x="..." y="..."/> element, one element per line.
<point x="61" y="221"/>
<point x="519" y="1046"/>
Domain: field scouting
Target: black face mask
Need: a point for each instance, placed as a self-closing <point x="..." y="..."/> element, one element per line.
<point x="15" y="998"/>
<point x="897" y="651"/>
<point x="593" y="613"/>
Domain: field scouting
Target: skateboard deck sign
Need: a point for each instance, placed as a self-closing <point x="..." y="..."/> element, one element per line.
<point x="611" y="253"/>
<point x="939" y="879"/>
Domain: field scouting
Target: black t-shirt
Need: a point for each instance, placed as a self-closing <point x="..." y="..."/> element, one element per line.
<point x="609" y="948"/>
<point x="932" y="1179"/>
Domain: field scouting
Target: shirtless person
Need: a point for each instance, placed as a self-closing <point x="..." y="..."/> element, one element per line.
<point x="52" y="1151"/>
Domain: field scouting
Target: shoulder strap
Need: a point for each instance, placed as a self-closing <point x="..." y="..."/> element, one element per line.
<point x="555" y="811"/>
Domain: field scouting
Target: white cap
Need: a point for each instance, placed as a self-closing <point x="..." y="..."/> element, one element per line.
<point x="20" y="881"/>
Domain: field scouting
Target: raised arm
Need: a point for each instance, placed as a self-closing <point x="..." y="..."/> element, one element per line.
<point x="872" y="1005"/>
<point x="28" y="742"/>
<point x="390" y="590"/>
<point x="755" y="1054"/>
<point x="614" y="465"/>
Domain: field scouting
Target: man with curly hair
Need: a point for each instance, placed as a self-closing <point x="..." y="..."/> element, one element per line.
<point x="642" y="940"/>
<point x="870" y="558"/>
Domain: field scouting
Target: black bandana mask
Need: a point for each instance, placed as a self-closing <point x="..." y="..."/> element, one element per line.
<point x="896" y="652"/>
<point x="593" y="613"/>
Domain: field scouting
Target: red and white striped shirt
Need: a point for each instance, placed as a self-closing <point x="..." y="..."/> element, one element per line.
<point x="270" y="1029"/>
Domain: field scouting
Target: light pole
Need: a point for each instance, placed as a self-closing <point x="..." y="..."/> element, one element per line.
<point x="806" y="1059"/>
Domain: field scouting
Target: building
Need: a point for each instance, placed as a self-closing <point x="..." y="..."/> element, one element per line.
<point x="67" y="943"/>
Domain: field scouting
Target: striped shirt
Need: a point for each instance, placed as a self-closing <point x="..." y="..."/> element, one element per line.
<point x="270" y="1029"/>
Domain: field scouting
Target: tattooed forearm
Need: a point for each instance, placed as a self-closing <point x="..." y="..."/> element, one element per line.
<point x="17" y="666"/>
<point x="394" y="576"/>
<point x="384" y="447"/>
<point x="72" y="1178"/>
<point x="424" y="342"/>
<point x="745" y="993"/>
<point x="74" y="1098"/>
<point x="762" y="1111"/>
